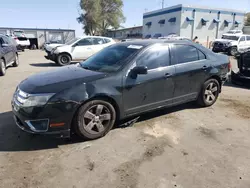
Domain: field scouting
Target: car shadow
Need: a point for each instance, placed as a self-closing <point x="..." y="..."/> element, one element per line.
<point x="242" y="86"/>
<point x="49" y="64"/>
<point x="12" y="139"/>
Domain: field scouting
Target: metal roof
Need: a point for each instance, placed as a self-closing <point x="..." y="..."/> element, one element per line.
<point x="36" y="29"/>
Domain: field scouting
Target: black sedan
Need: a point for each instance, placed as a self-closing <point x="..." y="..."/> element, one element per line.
<point x="122" y="80"/>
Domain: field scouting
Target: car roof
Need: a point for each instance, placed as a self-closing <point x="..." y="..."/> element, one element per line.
<point x="148" y="42"/>
<point x="82" y="37"/>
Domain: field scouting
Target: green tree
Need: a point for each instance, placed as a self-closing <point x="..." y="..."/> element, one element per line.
<point x="247" y="20"/>
<point x="99" y="15"/>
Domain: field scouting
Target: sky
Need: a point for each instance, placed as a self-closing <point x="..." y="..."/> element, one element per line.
<point x="62" y="14"/>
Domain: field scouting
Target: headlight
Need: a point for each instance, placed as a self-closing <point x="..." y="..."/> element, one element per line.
<point x="33" y="100"/>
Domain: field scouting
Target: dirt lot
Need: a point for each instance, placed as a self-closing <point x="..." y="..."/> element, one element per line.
<point x="180" y="147"/>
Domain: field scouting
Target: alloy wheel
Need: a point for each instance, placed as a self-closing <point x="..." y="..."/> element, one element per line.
<point x="211" y="92"/>
<point x="96" y="119"/>
<point x="65" y="59"/>
<point x="3" y="66"/>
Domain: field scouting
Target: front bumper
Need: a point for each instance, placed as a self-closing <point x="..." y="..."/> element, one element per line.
<point x="26" y="117"/>
<point x="220" y="49"/>
<point x="50" y="56"/>
<point x="240" y="79"/>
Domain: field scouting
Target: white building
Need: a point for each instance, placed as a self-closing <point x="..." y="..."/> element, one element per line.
<point x="131" y="32"/>
<point x="190" y="21"/>
<point x="39" y="36"/>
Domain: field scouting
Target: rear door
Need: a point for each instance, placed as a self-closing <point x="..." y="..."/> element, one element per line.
<point x="192" y="69"/>
<point x="7" y="50"/>
<point x="83" y="49"/>
<point x="98" y="44"/>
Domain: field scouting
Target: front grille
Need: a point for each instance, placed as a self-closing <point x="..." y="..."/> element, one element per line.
<point x="218" y="44"/>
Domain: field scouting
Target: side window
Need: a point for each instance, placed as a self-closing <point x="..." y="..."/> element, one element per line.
<point x="201" y="55"/>
<point x="85" y="42"/>
<point x="97" y="41"/>
<point x="6" y="40"/>
<point x="186" y="53"/>
<point x="242" y="38"/>
<point x="248" y="38"/>
<point x="107" y="40"/>
<point x="155" y="57"/>
<point x="1" y="41"/>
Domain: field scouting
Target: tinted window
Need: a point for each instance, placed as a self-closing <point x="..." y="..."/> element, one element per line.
<point x="155" y="57"/>
<point x="248" y="37"/>
<point x="97" y="41"/>
<point x="242" y="38"/>
<point x="110" y="59"/>
<point x="186" y="53"/>
<point x="85" y="42"/>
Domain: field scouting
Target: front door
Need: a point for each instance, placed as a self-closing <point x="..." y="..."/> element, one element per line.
<point x="192" y="69"/>
<point x="82" y="50"/>
<point x="154" y="89"/>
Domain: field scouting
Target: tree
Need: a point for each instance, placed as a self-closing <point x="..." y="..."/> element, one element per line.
<point x="99" y="15"/>
<point x="247" y="20"/>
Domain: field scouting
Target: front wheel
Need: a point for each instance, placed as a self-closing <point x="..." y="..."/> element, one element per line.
<point x="209" y="93"/>
<point x="94" y="119"/>
<point x="233" y="51"/>
<point x="64" y="59"/>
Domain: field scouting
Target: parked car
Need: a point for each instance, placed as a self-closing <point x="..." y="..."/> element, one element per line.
<point x="122" y="80"/>
<point x="242" y="77"/>
<point x="231" y="44"/>
<point x="8" y="54"/>
<point x="78" y="49"/>
<point x="21" y="40"/>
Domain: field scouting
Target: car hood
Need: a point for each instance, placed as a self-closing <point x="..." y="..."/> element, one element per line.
<point x="49" y="47"/>
<point x="223" y="40"/>
<point x="59" y="79"/>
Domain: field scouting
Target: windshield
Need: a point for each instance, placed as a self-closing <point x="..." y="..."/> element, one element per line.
<point x="110" y="59"/>
<point x="72" y="41"/>
<point x="230" y="37"/>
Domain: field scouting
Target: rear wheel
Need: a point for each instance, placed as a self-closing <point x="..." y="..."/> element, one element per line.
<point x="209" y="93"/>
<point x="95" y="119"/>
<point x="2" y="67"/>
<point x="64" y="59"/>
<point x="16" y="62"/>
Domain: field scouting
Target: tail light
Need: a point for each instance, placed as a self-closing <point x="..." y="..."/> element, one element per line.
<point x="15" y="38"/>
<point x="229" y="65"/>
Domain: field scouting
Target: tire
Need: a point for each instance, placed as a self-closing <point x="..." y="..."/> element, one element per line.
<point x="208" y="94"/>
<point x="64" y="59"/>
<point x="232" y="51"/>
<point x="2" y="67"/>
<point x="16" y="63"/>
<point x="88" y="123"/>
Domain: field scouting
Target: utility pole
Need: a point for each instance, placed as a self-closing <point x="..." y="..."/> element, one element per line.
<point x="162" y="4"/>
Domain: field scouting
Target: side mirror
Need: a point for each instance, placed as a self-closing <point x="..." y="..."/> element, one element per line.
<point x="5" y="45"/>
<point x="140" y="70"/>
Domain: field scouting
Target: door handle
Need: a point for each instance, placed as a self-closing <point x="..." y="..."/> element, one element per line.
<point x="167" y="75"/>
<point x="204" y="67"/>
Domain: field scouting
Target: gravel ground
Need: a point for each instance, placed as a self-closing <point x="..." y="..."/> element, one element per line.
<point x="180" y="147"/>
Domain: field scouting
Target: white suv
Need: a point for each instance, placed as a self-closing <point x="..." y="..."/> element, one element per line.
<point x="78" y="49"/>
